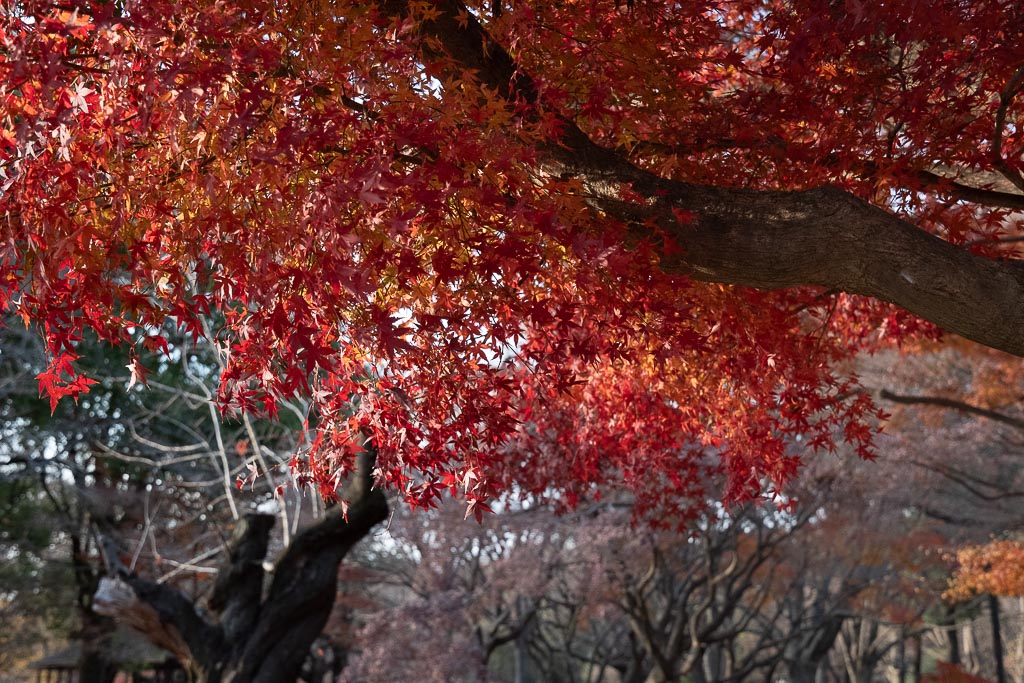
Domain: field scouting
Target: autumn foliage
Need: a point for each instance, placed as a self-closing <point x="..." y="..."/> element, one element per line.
<point x="996" y="568"/>
<point x="338" y="199"/>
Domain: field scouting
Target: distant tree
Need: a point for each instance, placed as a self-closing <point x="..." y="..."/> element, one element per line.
<point x="37" y="592"/>
<point x="750" y="592"/>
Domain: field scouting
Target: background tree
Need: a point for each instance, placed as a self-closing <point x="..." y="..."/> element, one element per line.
<point x="831" y="588"/>
<point x="38" y="588"/>
<point x="965" y="396"/>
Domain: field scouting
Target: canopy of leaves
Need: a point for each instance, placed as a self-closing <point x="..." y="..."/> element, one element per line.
<point x="384" y="225"/>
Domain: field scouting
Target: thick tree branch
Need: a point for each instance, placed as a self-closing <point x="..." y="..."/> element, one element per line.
<point x="950" y="518"/>
<point x="159" y="611"/>
<point x="973" y="485"/>
<point x="304" y="587"/>
<point x="238" y="590"/>
<point x="824" y="237"/>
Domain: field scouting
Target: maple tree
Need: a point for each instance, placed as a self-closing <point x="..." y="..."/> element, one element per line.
<point x="463" y="227"/>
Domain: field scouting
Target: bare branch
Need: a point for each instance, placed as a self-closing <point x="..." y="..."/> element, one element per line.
<point x="159" y="611"/>
<point x="973" y="485"/>
<point x="953" y="404"/>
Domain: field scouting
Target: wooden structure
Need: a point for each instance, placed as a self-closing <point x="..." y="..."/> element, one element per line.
<point x="137" y="661"/>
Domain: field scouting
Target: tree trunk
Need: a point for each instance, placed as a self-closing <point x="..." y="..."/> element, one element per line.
<point x="997" y="638"/>
<point x="245" y="634"/>
<point x="713" y="663"/>
<point x="94" y="661"/>
<point x="918" y="656"/>
<point x="696" y="675"/>
<point x="326" y="661"/>
<point x="953" y="636"/>
<point x="805" y="663"/>
<point x="901" y="658"/>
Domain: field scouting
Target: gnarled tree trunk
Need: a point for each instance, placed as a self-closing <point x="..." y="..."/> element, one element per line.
<point x="246" y="633"/>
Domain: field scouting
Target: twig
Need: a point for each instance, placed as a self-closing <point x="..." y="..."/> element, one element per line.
<point x="190" y="565"/>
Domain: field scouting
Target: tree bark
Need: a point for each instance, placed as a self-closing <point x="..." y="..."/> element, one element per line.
<point x="997" y="638"/>
<point x="901" y="657"/>
<point x="807" y="654"/>
<point x="95" y="664"/>
<point x="246" y="634"/>
<point x="918" y="659"/>
<point x="820" y="237"/>
<point x="952" y="634"/>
